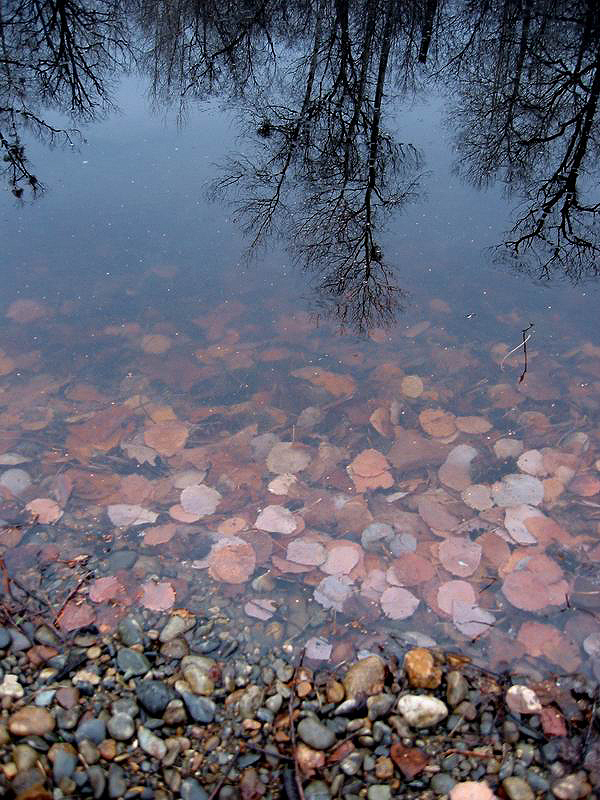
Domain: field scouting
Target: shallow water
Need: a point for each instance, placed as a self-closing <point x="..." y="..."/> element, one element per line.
<point x="152" y="354"/>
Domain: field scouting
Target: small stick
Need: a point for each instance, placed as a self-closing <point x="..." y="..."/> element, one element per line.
<point x="219" y="785"/>
<point x="70" y="596"/>
<point x="522" y="344"/>
<point x="472" y="753"/>
<point x="268" y="753"/>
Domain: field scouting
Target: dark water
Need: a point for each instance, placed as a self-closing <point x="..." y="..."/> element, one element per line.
<point x="377" y="258"/>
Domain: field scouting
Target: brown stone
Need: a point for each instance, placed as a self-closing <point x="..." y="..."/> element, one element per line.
<point x="108" y="749"/>
<point x="411" y="450"/>
<point x="365" y="677"/>
<point x="335" y="691"/>
<point x="421" y="670"/>
<point x="303" y="689"/>
<point x="31" y="720"/>
<point x="67" y="696"/>
<point x="384" y="768"/>
<point x="40" y="653"/>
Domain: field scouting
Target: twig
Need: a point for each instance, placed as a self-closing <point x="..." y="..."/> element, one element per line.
<point x="268" y="753"/>
<point x="219" y="785"/>
<point x="523" y="344"/>
<point x="472" y="753"/>
<point x="71" y="595"/>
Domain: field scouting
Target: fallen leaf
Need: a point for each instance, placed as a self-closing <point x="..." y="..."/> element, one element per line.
<point x="76" y="615"/>
<point x="455" y="472"/>
<point x="515" y="522"/>
<point x="410" y="570"/>
<point x="369" y="464"/>
<point x="157" y="596"/>
<point x="26" y="310"/>
<point x="333" y="591"/>
<point x="231" y="560"/>
<point x="123" y="515"/>
<point x="436" y="515"/>
<point x="410" y="760"/>
<point x="45" y="510"/>
<point x="260" y="608"/>
<point x="517" y="490"/>
<point x="167" y="438"/>
<point x="341" y="559"/>
<point x="452" y="592"/>
<point x="282" y="484"/>
<point x="335" y="384"/>
<point x="103" y="589"/>
<point x="317" y="649"/>
<point x="437" y="422"/>
<point x="380" y="420"/>
<point x="161" y="534"/>
<point x="540" y="639"/>
<point x="155" y="343"/>
<point x="288" y="457"/>
<point x="306" y="551"/>
<point x="460" y="556"/>
<point x="398" y="603"/>
<point x="277" y="519"/>
<point x="412" y="386"/>
<point x="202" y="500"/>
<point x="477" y="496"/>
<point x="532" y="591"/>
<point x="532" y="462"/>
<point x="473" y="424"/>
<point x="471" y="620"/>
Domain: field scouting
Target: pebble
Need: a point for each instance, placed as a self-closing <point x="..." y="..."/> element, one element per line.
<point x="198" y="680"/>
<point x="31" y="719"/>
<point x="421" y="670"/>
<point x="151" y="744"/>
<point x="94" y="730"/>
<point x="456" y="688"/>
<point x="130" y="632"/>
<point x="422" y="711"/>
<point x="10" y="687"/>
<point x="317" y="790"/>
<point x="517" y="789"/>
<point x="201" y="709"/>
<point x="117" y="785"/>
<point x="176" y="625"/>
<point x="131" y="662"/>
<point x="154" y="696"/>
<point x="379" y="791"/>
<point x="315" y="734"/>
<point x="364" y="677"/>
<point x="97" y="781"/>
<point x="442" y="783"/>
<point x="191" y="790"/>
<point x="121" y="727"/>
<point x="572" y="787"/>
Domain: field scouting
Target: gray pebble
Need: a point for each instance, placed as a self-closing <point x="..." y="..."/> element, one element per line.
<point x="379" y="705"/>
<point x="442" y="783"/>
<point x="121" y="727"/>
<point x="131" y="662"/>
<point x="191" y="790"/>
<point x="251" y="701"/>
<point x="200" y="709"/>
<point x="154" y="696"/>
<point x="274" y="703"/>
<point x="117" y="785"/>
<point x="151" y="744"/>
<point x="130" y="631"/>
<point x="176" y="625"/>
<point x="517" y="789"/>
<point x="457" y="688"/>
<point x="4" y="638"/>
<point x="89" y="752"/>
<point x="351" y="764"/>
<point x="64" y="765"/>
<point x="537" y="782"/>
<point x="379" y="791"/>
<point x="317" y="790"/>
<point x="97" y="781"/>
<point x="315" y="734"/>
<point x="94" y="730"/>
<point x="121" y="559"/>
<point x="19" y="641"/>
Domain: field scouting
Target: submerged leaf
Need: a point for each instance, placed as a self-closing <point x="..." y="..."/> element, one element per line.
<point x="398" y="603"/>
<point x="158" y="596"/>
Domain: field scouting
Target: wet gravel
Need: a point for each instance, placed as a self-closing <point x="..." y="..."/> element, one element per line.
<point x="149" y="713"/>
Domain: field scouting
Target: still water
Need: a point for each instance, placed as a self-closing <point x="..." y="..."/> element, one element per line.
<point x="303" y="323"/>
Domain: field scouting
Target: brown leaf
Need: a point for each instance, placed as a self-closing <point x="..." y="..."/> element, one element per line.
<point x="409" y="760"/>
<point x="76" y="615"/>
<point x="158" y="596"/>
<point x="103" y="589"/>
<point x="411" y="570"/>
<point x="460" y="556"/>
<point x="335" y="384"/>
<point x="45" y="511"/>
<point x="166" y="437"/>
<point x="160" y="534"/>
<point x="437" y="422"/>
<point x="231" y="560"/>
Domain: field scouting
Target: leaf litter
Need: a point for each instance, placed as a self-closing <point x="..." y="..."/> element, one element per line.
<point x="379" y="494"/>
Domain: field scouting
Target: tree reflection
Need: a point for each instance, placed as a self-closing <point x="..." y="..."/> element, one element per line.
<point x="54" y="54"/>
<point x="321" y="170"/>
<point x="528" y="82"/>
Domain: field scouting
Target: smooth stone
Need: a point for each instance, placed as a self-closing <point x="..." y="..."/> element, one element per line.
<point x="64" y="764"/>
<point x="317" y="790"/>
<point x="442" y="783"/>
<point x="151" y="744"/>
<point x="4" y="639"/>
<point x="117" y="785"/>
<point x="18" y="641"/>
<point x="517" y="789"/>
<point x="67" y="696"/>
<point x="25" y="757"/>
<point x="251" y="701"/>
<point x="201" y="662"/>
<point x="10" y="687"/>
<point x="198" y="680"/>
<point x="379" y="791"/>
<point x="315" y="734"/>
<point x="200" y="709"/>
<point x="130" y="631"/>
<point x="421" y="711"/>
<point x="572" y="787"/>
<point x="352" y="763"/>
<point x="121" y="727"/>
<point x="43" y="699"/>
<point x="176" y="625"/>
<point x="364" y="677"/>
<point x="457" y="688"/>
<point x="154" y="696"/>
<point x="45" y="635"/>
<point x="88" y="751"/>
<point x="131" y="662"/>
<point x="175" y="713"/>
<point x="537" y="782"/>
<point x="192" y="790"/>
<point x="274" y="703"/>
<point x="421" y="669"/>
<point x="97" y="781"/>
<point x="175" y="648"/>
<point x="379" y="705"/>
<point x="125" y="705"/>
<point x="94" y="730"/>
<point x="31" y="719"/>
<point x="15" y="480"/>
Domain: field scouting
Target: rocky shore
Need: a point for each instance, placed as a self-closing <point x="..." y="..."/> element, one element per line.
<point x="171" y="712"/>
